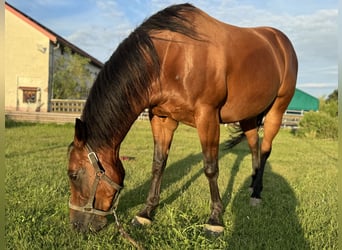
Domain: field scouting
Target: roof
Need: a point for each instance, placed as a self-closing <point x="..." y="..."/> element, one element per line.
<point x="54" y="37"/>
<point x="303" y="101"/>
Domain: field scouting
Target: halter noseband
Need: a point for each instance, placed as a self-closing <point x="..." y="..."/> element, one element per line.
<point x="99" y="175"/>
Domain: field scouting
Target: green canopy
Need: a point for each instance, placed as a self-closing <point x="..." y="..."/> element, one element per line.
<point x="303" y="101"/>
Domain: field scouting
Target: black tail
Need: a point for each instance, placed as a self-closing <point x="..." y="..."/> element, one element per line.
<point x="237" y="135"/>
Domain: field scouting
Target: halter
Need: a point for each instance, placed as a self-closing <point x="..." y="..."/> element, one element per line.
<point x="99" y="175"/>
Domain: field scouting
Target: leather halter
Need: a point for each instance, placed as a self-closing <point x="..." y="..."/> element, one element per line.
<point x="99" y="175"/>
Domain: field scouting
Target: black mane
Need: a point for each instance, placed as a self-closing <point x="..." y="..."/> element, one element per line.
<point x="124" y="81"/>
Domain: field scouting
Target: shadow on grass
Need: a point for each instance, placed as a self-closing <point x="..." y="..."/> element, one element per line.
<point x="16" y="124"/>
<point x="176" y="171"/>
<point x="20" y="124"/>
<point x="241" y="151"/>
<point x="272" y="225"/>
<point x="36" y="150"/>
<point x="172" y="174"/>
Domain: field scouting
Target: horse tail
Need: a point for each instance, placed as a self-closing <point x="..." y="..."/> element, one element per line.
<point x="237" y="135"/>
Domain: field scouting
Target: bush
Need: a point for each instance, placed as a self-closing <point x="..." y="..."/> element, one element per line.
<point x="329" y="107"/>
<point x="318" y="125"/>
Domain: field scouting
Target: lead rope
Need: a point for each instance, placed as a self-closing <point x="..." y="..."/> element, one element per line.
<point x="125" y="234"/>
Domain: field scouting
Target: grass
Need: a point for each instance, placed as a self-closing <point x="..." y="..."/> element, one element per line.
<point x="299" y="209"/>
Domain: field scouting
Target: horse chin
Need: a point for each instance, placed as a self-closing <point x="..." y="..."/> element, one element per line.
<point x="85" y="222"/>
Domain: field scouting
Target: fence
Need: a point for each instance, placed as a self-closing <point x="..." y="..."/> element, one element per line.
<point x="67" y="110"/>
<point x="292" y="118"/>
<point x="67" y="106"/>
<point x="41" y="117"/>
<point x="76" y="107"/>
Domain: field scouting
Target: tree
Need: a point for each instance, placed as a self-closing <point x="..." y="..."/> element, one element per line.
<point x="330" y="105"/>
<point x="333" y="96"/>
<point x="71" y="76"/>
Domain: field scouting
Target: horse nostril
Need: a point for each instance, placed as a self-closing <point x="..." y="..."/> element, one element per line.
<point x="92" y="229"/>
<point x="77" y="226"/>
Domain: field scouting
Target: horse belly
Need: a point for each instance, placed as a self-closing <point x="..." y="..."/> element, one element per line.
<point x="245" y="106"/>
<point x="229" y="113"/>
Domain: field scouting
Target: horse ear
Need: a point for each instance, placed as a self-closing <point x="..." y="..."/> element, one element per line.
<point x="80" y="137"/>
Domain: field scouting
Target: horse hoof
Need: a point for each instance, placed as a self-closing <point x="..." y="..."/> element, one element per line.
<point x="213" y="230"/>
<point x="141" y="221"/>
<point x="255" y="202"/>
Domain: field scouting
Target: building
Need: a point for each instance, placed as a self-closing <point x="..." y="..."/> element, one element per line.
<point x="31" y="50"/>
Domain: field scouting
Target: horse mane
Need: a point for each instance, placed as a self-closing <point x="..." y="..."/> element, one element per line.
<point x="124" y="81"/>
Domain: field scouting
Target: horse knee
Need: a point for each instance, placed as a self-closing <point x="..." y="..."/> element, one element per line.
<point x="158" y="166"/>
<point x="211" y="170"/>
<point x="157" y="171"/>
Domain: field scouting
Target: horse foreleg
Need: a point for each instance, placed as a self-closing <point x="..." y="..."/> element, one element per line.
<point x="211" y="171"/>
<point x="209" y="134"/>
<point x="163" y="130"/>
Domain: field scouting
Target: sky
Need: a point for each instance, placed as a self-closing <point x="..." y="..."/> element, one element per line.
<point x="98" y="26"/>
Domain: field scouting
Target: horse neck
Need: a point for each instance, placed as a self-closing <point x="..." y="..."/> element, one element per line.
<point x="109" y="120"/>
<point x="110" y="157"/>
<point x="130" y="119"/>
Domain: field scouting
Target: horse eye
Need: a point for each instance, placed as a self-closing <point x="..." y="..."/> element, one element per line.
<point x="76" y="175"/>
<point x="73" y="176"/>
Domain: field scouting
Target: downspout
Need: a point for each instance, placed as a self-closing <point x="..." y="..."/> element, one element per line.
<point x="17" y="105"/>
<point x="51" y="71"/>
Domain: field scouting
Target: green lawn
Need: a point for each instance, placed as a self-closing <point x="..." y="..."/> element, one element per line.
<point x="299" y="209"/>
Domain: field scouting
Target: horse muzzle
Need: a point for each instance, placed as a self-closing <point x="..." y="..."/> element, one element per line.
<point x="85" y="222"/>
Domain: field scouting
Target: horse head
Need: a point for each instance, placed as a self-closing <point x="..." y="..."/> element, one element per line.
<point x="95" y="179"/>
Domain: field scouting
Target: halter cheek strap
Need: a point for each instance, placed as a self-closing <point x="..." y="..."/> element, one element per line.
<point x="99" y="175"/>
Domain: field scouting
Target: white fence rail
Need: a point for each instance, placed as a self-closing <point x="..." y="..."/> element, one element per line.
<point x="76" y="107"/>
<point x="67" y="106"/>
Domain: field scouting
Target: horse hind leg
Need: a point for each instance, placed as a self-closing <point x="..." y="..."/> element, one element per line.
<point x="250" y="129"/>
<point x="272" y="125"/>
<point x="163" y="130"/>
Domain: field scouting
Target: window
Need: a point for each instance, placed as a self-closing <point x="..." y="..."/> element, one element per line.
<point x="29" y="94"/>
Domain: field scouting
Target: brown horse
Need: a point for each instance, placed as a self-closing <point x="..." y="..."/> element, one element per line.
<point x="184" y="66"/>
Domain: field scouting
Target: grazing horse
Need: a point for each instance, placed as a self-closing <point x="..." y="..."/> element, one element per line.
<point x="184" y="66"/>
